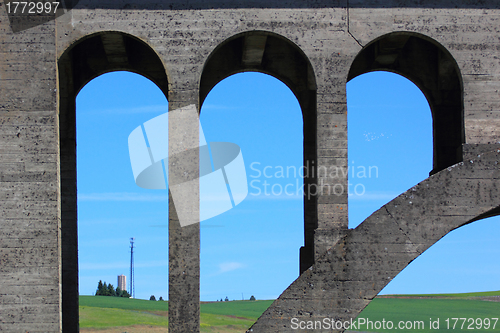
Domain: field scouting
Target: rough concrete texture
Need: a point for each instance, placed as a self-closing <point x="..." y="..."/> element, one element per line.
<point x="450" y="49"/>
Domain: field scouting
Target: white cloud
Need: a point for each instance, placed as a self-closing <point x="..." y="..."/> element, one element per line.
<point x="229" y="266"/>
<point x="375" y="136"/>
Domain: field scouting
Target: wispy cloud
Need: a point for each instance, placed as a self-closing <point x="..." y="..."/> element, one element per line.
<point x="129" y="196"/>
<point x="229" y="266"/>
<point x="370" y="136"/>
<point x="121" y="196"/>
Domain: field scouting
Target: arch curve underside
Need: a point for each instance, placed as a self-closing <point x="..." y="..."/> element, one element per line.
<point x="344" y="280"/>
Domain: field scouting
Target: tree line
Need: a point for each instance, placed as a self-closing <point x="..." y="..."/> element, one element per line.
<point x="252" y="298"/>
<point x="104" y="289"/>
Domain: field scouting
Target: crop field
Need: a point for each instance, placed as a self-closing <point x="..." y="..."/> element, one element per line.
<point x="432" y="313"/>
<point x="117" y="315"/>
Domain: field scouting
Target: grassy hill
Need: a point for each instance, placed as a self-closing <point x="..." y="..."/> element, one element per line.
<point x="423" y="308"/>
<point x="246" y="309"/>
<point x="100" y="312"/>
<point x="113" y="314"/>
<point x="122" y="303"/>
<point x="463" y="295"/>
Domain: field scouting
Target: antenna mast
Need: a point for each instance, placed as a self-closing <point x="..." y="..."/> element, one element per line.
<point x="132" y="286"/>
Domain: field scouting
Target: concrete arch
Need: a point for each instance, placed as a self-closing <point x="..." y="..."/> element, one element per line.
<point x="433" y="69"/>
<point x="345" y="279"/>
<point x="109" y="51"/>
<point x="84" y="60"/>
<point x="260" y="51"/>
<point x="273" y="54"/>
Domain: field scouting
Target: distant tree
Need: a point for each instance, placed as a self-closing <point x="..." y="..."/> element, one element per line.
<point x="226" y="300"/>
<point x="110" y="290"/>
<point x="221" y="299"/>
<point x="99" y="291"/>
<point x="252" y="298"/>
<point x="104" y="289"/>
<point x="161" y="298"/>
<point x="152" y="298"/>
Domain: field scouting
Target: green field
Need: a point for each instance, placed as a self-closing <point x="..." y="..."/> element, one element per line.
<point x="122" y="303"/>
<point x="99" y="312"/>
<point x="423" y="308"/>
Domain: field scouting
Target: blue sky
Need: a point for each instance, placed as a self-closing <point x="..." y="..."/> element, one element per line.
<point x="253" y="248"/>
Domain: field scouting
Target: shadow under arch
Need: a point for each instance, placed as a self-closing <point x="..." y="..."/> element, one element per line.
<point x="86" y="59"/>
<point x="433" y="69"/>
<point x="273" y="54"/>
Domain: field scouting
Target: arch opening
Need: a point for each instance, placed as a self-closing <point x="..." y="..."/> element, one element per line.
<point x="434" y="71"/>
<point x="111" y="207"/>
<point x="432" y="68"/>
<point x="389" y="140"/>
<point x="269" y="53"/>
<point x="261" y="115"/>
<point x="83" y="61"/>
<point x="465" y="260"/>
<point x="459" y="271"/>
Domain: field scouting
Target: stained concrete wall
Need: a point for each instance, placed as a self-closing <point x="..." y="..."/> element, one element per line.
<point x="30" y="242"/>
<point x="36" y="142"/>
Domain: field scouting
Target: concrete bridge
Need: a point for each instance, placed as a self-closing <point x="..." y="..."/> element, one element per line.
<point x="449" y="48"/>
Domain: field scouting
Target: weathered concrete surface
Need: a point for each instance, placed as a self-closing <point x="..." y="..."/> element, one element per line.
<point x="30" y="219"/>
<point x="449" y="48"/>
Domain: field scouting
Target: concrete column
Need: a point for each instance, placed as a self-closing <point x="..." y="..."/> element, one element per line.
<point x="331" y="168"/>
<point x="30" y="260"/>
<point x="184" y="241"/>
